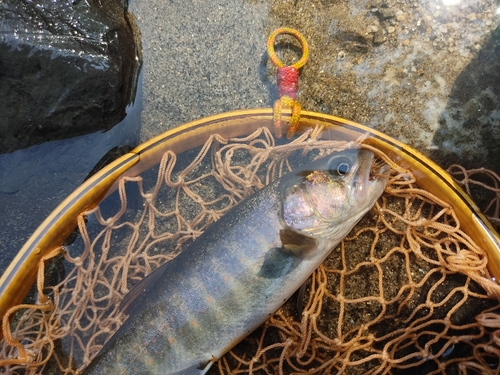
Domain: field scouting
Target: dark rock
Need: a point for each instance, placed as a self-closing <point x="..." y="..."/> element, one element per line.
<point x="379" y="37"/>
<point x="67" y="68"/>
<point x="386" y="13"/>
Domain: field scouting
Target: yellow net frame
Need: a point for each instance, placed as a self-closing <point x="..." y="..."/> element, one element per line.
<point x="408" y="265"/>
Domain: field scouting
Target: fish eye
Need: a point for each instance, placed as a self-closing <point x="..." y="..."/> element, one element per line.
<point x="339" y="166"/>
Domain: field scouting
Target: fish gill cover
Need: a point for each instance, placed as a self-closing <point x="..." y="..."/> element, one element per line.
<point x="408" y="290"/>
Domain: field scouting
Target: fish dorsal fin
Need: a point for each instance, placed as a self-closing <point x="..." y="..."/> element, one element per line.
<point x="141" y="288"/>
<point x="296" y="243"/>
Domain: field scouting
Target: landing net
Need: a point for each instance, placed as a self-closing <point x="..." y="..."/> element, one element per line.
<point x="407" y="290"/>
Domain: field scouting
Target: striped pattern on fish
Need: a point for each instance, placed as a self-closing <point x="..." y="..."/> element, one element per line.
<point x="190" y="311"/>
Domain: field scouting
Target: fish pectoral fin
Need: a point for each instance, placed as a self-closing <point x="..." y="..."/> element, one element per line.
<point x="296" y="243"/>
<point x="200" y="369"/>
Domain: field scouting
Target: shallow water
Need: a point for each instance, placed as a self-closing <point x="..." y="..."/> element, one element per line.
<point x="423" y="72"/>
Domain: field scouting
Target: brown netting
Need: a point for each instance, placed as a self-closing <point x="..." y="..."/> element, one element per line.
<point x="408" y="290"/>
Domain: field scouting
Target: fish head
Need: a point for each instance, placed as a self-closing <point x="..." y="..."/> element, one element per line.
<point x="326" y="198"/>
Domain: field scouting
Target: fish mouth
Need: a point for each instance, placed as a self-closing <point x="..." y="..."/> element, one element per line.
<point x="372" y="173"/>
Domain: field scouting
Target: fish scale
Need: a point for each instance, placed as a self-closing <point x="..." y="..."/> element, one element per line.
<point x="193" y="309"/>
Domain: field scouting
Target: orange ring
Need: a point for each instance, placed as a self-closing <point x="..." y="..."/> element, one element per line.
<point x="274" y="57"/>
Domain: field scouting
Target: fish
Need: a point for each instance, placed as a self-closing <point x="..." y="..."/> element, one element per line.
<point x="193" y="309"/>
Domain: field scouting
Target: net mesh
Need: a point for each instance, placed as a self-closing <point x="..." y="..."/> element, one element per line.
<point x="408" y="289"/>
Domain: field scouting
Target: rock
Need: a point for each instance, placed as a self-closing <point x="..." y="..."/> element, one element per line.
<point x="379" y="37"/>
<point x="67" y="68"/>
<point x="472" y="17"/>
<point x="386" y="13"/>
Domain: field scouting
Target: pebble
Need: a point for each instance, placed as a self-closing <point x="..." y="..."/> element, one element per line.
<point x="379" y="37"/>
<point x="443" y="29"/>
<point x="387" y="13"/>
<point x="391" y="29"/>
<point x="472" y="17"/>
<point x="406" y="42"/>
<point x="401" y="18"/>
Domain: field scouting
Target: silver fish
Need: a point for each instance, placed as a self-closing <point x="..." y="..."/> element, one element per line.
<point x="189" y="312"/>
